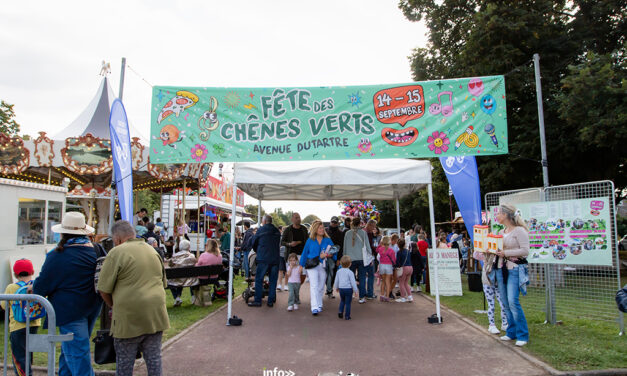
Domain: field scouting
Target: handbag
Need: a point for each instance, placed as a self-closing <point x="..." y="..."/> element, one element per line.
<point x="104" y="350"/>
<point x="367" y="257"/>
<point x="399" y="271"/>
<point x="312" y="263"/>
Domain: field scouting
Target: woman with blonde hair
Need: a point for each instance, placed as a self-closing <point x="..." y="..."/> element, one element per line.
<point x="387" y="260"/>
<point x="314" y="254"/>
<point x="512" y="272"/>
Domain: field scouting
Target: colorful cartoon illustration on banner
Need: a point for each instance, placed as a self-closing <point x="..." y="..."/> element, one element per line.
<point x="438" y="142"/>
<point x="170" y="135"/>
<point x="364" y="145"/>
<point x="401" y="137"/>
<point x="489" y="130"/>
<point x="182" y="101"/>
<point x="475" y="86"/>
<point x="488" y="104"/>
<point x="468" y="137"/>
<point x="209" y="122"/>
<point x="445" y="109"/>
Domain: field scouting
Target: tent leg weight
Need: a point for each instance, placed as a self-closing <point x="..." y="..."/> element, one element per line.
<point x="433" y="319"/>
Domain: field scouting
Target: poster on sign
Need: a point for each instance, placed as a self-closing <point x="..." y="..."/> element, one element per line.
<point x="573" y="232"/>
<point x="449" y="276"/>
<point x="453" y="117"/>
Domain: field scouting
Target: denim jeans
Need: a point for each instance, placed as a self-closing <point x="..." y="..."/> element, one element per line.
<point x="329" y="268"/>
<point x="273" y="275"/>
<point x="346" y="296"/>
<point x="358" y="265"/>
<point x="370" y="276"/>
<point x="18" y="349"/>
<point x="75" y="358"/>
<point x="245" y="264"/>
<point x="510" y="292"/>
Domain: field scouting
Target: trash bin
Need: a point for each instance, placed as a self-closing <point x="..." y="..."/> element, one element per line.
<point x="474" y="282"/>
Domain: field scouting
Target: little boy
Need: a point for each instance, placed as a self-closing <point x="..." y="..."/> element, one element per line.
<point x="24" y="271"/>
<point x="345" y="285"/>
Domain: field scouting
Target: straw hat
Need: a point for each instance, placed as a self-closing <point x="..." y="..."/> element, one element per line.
<point x="73" y="223"/>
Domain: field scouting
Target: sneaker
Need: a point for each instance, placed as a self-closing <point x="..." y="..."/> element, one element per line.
<point x="315" y="312"/>
<point x="295" y="307"/>
<point x="505" y="338"/>
<point x="410" y="299"/>
<point x="504" y="327"/>
<point x="284" y="288"/>
<point x="290" y="308"/>
<point x="371" y="297"/>
<point x="177" y="302"/>
<point x="319" y="309"/>
<point x="193" y="299"/>
<point x="382" y="298"/>
<point x="418" y="289"/>
<point x="521" y="343"/>
<point x="492" y="329"/>
<point x="401" y="300"/>
<point x="347" y="318"/>
<point x="362" y="301"/>
<point x="278" y="287"/>
<point x="340" y="315"/>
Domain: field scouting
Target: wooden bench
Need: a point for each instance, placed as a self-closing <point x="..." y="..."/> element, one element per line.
<point x="194" y="271"/>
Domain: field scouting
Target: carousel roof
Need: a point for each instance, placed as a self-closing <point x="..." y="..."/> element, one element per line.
<point x="95" y="117"/>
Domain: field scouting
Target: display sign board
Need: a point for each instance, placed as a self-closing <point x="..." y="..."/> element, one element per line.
<point x="573" y="232"/>
<point x="449" y="275"/>
<point x="453" y="117"/>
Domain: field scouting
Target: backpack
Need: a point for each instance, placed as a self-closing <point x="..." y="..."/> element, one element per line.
<point x="22" y="308"/>
<point x="101" y="254"/>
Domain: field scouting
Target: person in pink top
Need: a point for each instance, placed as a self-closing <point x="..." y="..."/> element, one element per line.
<point x="294" y="271"/>
<point x="211" y="256"/>
<point x="387" y="259"/>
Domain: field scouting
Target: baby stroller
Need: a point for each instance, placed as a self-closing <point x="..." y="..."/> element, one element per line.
<point x="220" y="290"/>
<point x="250" y="289"/>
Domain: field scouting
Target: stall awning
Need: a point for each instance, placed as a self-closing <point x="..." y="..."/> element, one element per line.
<point x="192" y="204"/>
<point x="382" y="179"/>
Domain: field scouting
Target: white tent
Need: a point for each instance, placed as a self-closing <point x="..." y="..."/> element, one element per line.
<point x="382" y="179"/>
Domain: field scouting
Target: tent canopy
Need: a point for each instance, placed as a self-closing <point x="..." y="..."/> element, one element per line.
<point x="380" y="179"/>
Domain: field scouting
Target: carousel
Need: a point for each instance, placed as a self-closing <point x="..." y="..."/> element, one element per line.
<point x="78" y="158"/>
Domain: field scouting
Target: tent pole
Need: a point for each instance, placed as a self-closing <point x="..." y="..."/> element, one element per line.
<point x="259" y="213"/>
<point x="184" y="195"/>
<point x="398" y="219"/>
<point x="198" y="222"/>
<point x="435" y="253"/>
<point x="232" y="253"/>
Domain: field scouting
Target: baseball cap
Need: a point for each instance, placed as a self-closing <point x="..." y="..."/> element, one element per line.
<point x="23" y="265"/>
<point x="334" y="219"/>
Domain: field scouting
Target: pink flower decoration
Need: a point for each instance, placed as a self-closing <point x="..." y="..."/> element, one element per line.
<point x="199" y="152"/>
<point x="438" y="142"/>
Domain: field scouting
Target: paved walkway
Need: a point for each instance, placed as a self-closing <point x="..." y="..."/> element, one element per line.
<point x="381" y="339"/>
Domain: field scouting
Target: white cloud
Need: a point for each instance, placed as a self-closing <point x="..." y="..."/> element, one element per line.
<point x="52" y="49"/>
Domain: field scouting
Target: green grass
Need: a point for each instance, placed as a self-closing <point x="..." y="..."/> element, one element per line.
<point x="576" y="344"/>
<point x="180" y="318"/>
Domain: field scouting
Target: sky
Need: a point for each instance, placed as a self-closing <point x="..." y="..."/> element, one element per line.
<point x="52" y="52"/>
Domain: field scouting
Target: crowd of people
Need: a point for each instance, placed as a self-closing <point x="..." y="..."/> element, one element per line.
<point x="347" y="259"/>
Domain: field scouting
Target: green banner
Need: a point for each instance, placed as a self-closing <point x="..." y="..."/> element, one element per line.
<point x="455" y="117"/>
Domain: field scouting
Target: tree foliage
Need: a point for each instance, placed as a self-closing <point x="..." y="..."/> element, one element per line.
<point x="8" y="125"/>
<point x="310" y="218"/>
<point x="581" y="44"/>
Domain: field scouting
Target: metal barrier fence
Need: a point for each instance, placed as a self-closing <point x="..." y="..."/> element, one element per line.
<point x="571" y="291"/>
<point x="34" y="342"/>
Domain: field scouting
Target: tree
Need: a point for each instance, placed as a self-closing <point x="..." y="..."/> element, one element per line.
<point x="253" y="210"/>
<point x="149" y="200"/>
<point x="8" y="125"/>
<point x="310" y="219"/>
<point x="278" y="218"/>
<point x="476" y="38"/>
